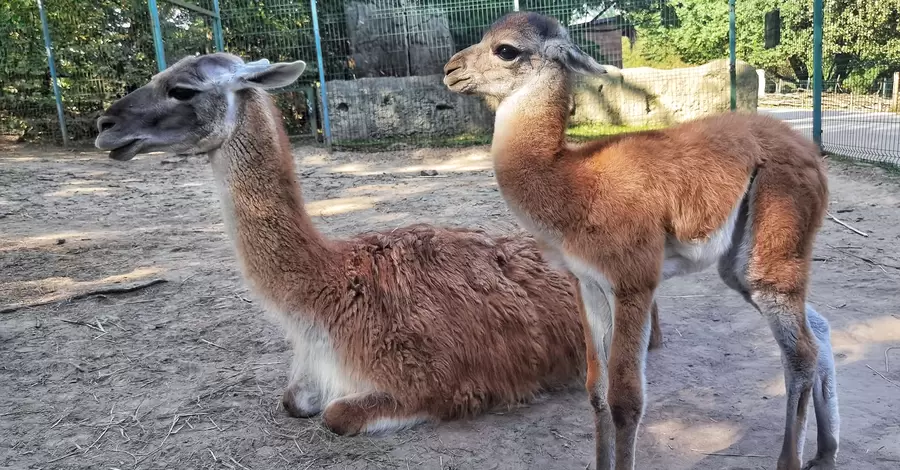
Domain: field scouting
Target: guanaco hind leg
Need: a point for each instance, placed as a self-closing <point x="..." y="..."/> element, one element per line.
<point x="825" y="398"/>
<point x="656" y="336"/>
<point x="755" y="266"/>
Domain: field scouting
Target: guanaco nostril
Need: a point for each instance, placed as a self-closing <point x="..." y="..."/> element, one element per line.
<point x="451" y="66"/>
<point x="105" y="123"/>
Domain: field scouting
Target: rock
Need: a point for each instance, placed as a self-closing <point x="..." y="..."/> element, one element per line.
<point x="642" y="95"/>
<point x="370" y="108"/>
<point x="397" y="38"/>
<point x="391" y="107"/>
<point x="428" y="173"/>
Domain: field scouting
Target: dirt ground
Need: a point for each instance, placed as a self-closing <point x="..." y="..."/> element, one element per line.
<point x="188" y="373"/>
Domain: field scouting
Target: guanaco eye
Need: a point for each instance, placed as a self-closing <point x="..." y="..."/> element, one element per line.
<point x="182" y="94"/>
<point x="507" y="53"/>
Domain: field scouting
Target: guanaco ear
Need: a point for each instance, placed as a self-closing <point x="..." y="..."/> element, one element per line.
<point x="262" y="74"/>
<point x="570" y="55"/>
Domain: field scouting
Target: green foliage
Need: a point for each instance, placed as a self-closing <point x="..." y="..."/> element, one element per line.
<point x="663" y="56"/>
<point x="861" y="80"/>
<point x="691" y="30"/>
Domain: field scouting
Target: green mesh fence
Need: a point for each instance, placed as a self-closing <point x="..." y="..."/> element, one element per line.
<point x="101" y="53"/>
<point x="382" y="63"/>
<point x="278" y="30"/>
<point x="27" y="108"/>
<point x="185" y="31"/>
<point x="860" y="111"/>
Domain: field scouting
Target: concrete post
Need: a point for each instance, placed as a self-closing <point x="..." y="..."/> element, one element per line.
<point x="895" y="92"/>
<point x="762" y="83"/>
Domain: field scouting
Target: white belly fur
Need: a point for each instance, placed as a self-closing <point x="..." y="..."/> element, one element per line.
<point x="691" y="257"/>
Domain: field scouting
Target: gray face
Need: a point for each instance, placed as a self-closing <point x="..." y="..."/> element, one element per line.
<point x="513" y="51"/>
<point x="188" y="108"/>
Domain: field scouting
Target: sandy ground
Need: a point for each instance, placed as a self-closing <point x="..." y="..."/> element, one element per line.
<point x="188" y="373"/>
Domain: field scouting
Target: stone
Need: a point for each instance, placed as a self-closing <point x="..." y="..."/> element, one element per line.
<point x="397" y="38"/>
<point x="372" y="108"/>
<point x="643" y="95"/>
<point x="398" y="107"/>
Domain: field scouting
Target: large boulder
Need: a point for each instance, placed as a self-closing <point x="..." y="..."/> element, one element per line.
<point x="397" y="38"/>
<point x="644" y="95"/>
<point x="386" y="107"/>
<point x="372" y="108"/>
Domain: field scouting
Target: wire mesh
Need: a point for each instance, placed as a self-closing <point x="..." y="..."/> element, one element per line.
<point x="860" y="112"/>
<point x="186" y="32"/>
<point x="101" y="54"/>
<point x="384" y="61"/>
<point x="278" y="30"/>
<point x="27" y="107"/>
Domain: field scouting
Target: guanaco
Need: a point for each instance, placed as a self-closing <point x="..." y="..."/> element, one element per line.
<point x="627" y="212"/>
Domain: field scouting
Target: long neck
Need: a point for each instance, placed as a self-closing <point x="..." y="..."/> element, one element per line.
<point x="282" y="254"/>
<point x="530" y="124"/>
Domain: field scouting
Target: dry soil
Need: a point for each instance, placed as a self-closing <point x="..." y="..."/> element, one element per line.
<point x="188" y="373"/>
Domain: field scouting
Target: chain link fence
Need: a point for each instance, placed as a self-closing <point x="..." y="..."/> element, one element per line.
<point x="861" y="70"/>
<point x="381" y="64"/>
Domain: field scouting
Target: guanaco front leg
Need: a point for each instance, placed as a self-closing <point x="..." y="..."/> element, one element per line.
<point x="627" y="359"/>
<point x="617" y="333"/>
<point x="596" y="316"/>
<point x="369" y="413"/>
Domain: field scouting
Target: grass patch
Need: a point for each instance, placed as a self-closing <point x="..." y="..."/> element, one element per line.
<point x="584" y="132"/>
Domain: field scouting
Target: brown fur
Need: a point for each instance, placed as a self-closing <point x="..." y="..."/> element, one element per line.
<point x="446" y="322"/>
<point x="613" y="209"/>
<point x="420" y="322"/>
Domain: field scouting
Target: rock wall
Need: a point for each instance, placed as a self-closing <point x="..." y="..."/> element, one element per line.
<point x="642" y="95"/>
<point x="372" y="108"/>
<point x="397" y="38"/>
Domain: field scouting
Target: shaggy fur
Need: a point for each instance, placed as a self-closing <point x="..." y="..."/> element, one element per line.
<point x="624" y="213"/>
<point x="388" y="329"/>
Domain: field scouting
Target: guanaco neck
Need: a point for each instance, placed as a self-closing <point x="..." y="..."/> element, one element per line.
<point x="282" y="254"/>
<point x="529" y="139"/>
<point x="530" y="124"/>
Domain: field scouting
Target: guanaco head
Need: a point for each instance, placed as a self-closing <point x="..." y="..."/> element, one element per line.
<point x="188" y="108"/>
<point x="512" y="52"/>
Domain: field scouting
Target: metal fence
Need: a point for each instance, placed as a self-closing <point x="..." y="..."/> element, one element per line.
<point x="374" y="77"/>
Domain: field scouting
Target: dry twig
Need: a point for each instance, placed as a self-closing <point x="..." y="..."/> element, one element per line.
<point x="863" y="258"/>
<point x="123" y="289"/>
<point x="726" y="454"/>
<point x="883" y="377"/>
<point x="887" y="365"/>
<point x="845" y="224"/>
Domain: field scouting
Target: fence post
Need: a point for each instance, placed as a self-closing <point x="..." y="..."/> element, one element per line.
<point x="732" y="54"/>
<point x="515" y="5"/>
<point x="217" y="27"/>
<point x="51" y="61"/>
<point x="895" y="93"/>
<point x="157" y="35"/>
<point x="818" y="17"/>
<point x="323" y="89"/>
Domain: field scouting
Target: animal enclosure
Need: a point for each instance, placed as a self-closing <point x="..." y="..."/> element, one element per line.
<point x="379" y="64"/>
<point x="188" y="373"/>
